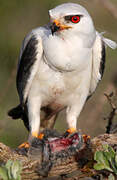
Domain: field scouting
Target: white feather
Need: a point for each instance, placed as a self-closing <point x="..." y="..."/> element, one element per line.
<point x="110" y="43"/>
<point x="96" y="59"/>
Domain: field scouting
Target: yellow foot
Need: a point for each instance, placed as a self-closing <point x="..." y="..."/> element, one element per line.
<point x="86" y="137"/>
<point x="35" y="134"/>
<point x="24" y="145"/>
<point x="71" y="130"/>
<point x="41" y="135"/>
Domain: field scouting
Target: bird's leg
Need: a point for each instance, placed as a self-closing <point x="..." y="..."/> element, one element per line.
<point x="71" y="117"/>
<point x="33" y="104"/>
<point x="72" y="113"/>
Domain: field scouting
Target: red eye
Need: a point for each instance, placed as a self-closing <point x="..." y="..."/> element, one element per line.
<point x="75" y="19"/>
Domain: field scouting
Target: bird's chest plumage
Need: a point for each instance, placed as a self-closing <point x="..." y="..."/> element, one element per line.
<point x="61" y="73"/>
<point x="59" y="87"/>
<point x="65" y="54"/>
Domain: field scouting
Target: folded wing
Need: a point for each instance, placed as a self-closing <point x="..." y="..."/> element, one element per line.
<point x="30" y="56"/>
<point x="98" y="59"/>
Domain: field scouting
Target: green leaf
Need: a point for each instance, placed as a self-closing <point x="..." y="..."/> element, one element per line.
<point x="106" y="159"/>
<point x="11" y="171"/>
<point x="3" y="173"/>
<point x="116" y="160"/>
<point x="114" y="167"/>
<point x="107" y="156"/>
<point x="110" y="156"/>
<point x="8" y="167"/>
<point x="105" y="147"/>
<point x="98" y="166"/>
<point x="16" y="169"/>
<point x="102" y="161"/>
<point x="111" y="177"/>
<point x="8" y="164"/>
<point x="112" y="152"/>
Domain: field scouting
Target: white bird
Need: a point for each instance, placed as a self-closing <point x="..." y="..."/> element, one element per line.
<point x="60" y="66"/>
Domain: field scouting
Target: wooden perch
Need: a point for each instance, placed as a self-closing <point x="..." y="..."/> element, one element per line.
<point x="71" y="165"/>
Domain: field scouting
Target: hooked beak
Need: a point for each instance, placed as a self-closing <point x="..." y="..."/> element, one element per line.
<point x="57" y="26"/>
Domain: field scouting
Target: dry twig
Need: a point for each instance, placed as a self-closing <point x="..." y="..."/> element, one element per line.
<point x="111" y="114"/>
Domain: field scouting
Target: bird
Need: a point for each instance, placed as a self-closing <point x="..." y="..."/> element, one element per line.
<point x="60" y="65"/>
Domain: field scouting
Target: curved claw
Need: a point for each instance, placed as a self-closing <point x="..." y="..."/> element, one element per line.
<point x="24" y="145"/>
<point x="69" y="131"/>
<point x="34" y="135"/>
<point x="86" y="137"/>
<point x="40" y="136"/>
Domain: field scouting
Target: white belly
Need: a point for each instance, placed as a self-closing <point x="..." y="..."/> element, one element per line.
<point x="60" y="88"/>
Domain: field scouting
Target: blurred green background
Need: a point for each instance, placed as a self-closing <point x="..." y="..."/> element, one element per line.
<point x="17" y="18"/>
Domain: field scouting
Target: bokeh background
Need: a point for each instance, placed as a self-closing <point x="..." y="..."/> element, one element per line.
<point x="17" y="18"/>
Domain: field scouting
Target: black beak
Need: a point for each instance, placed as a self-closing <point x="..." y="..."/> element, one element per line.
<point x="54" y="28"/>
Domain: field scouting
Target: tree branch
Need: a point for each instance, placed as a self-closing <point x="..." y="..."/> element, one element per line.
<point x="67" y="165"/>
<point x="110" y="128"/>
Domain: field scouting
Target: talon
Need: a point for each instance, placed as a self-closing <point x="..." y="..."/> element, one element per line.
<point x="24" y="145"/>
<point x="41" y="135"/>
<point x="35" y="134"/>
<point x="86" y="137"/>
<point x="71" y="130"/>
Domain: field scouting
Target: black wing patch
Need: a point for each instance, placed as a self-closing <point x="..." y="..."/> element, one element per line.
<point x="27" y="60"/>
<point x="103" y="58"/>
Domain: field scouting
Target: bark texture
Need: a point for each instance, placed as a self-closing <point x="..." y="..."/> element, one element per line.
<point x="65" y="165"/>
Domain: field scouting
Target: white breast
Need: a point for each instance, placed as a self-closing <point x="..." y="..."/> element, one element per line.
<point x="60" y="87"/>
<point x="66" y="55"/>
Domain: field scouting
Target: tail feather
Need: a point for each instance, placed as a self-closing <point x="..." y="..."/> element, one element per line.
<point x="16" y="112"/>
<point x="19" y="113"/>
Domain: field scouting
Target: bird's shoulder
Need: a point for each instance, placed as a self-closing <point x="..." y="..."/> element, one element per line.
<point x="30" y="55"/>
<point x="38" y="33"/>
<point x="41" y="31"/>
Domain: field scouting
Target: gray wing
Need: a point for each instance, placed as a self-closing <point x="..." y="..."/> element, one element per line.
<point x="98" y="63"/>
<point x="30" y="56"/>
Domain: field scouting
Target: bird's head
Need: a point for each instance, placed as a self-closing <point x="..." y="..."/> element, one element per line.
<point x="71" y="18"/>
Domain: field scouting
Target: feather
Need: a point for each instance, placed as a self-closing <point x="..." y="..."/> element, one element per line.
<point x="28" y="66"/>
<point x="98" y="62"/>
<point x="110" y="43"/>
